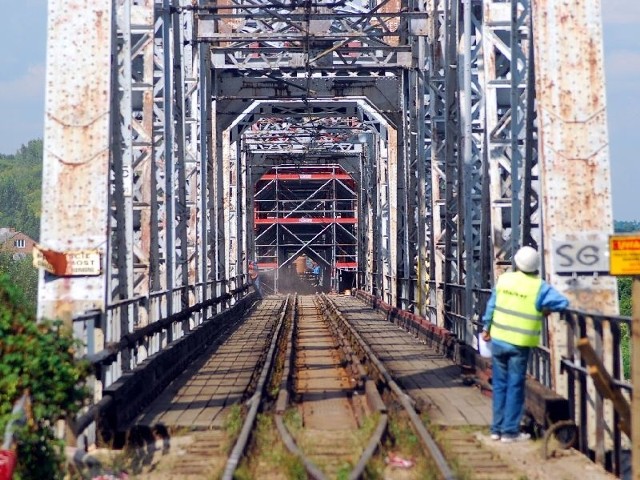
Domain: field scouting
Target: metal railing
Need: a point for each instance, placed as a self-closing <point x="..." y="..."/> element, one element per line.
<point x="588" y="407"/>
<point x="132" y="330"/>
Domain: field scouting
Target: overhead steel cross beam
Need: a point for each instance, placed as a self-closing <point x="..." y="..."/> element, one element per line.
<point x="257" y="35"/>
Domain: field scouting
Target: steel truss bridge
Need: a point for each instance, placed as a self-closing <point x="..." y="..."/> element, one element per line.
<point x="470" y="127"/>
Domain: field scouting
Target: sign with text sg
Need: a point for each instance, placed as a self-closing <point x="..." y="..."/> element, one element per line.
<point x="624" y="251"/>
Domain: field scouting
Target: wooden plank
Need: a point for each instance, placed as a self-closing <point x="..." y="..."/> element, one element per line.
<point x="545" y="405"/>
<point x="604" y="384"/>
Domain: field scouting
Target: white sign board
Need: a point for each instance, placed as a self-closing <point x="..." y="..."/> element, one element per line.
<point x="584" y="254"/>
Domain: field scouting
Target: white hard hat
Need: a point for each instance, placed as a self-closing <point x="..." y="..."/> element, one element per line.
<point x="527" y="260"/>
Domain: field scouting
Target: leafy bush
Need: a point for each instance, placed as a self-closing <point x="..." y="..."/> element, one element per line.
<point x="38" y="358"/>
<point x="23" y="275"/>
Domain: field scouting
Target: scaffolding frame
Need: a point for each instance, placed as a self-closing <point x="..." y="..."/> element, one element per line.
<point x="311" y="211"/>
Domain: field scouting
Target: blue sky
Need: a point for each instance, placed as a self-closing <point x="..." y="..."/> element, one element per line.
<point x="22" y="56"/>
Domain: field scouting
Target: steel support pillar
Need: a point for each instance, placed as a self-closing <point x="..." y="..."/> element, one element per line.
<point x="574" y="162"/>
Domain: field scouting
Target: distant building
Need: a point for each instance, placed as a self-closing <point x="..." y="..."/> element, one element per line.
<point x="16" y="243"/>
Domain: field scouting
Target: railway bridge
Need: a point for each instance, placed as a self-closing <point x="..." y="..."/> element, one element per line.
<point x="400" y="149"/>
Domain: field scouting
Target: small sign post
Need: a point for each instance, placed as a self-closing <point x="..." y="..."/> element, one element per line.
<point x="624" y="251"/>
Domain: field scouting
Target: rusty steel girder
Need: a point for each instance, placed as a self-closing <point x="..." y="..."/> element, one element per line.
<point x="75" y="206"/>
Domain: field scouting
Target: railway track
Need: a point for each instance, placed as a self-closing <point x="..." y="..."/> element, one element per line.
<point x="333" y="437"/>
<point x="330" y="402"/>
<point x="462" y="443"/>
<point x="328" y="411"/>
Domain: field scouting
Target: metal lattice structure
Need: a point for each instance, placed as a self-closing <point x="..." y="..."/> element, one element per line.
<point x="160" y="127"/>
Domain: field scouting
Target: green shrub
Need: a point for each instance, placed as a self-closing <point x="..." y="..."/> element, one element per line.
<point x="24" y="277"/>
<point x="624" y="296"/>
<point x="39" y="358"/>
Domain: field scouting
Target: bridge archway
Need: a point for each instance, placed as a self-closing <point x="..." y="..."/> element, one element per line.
<point x="348" y="131"/>
<point x="139" y="151"/>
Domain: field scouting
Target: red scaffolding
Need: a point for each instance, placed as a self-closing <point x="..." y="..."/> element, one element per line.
<point x="310" y="212"/>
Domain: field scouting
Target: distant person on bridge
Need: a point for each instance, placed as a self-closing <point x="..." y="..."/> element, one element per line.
<point x="253" y="275"/>
<point x="512" y="321"/>
<point x="316" y="274"/>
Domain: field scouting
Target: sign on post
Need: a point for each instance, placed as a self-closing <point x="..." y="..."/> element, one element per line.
<point x="580" y="254"/>
<point x="624" y="251"/>
<point x="625" y="260"/>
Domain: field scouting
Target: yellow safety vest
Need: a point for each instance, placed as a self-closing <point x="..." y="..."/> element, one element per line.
<point x="515" y="318"/>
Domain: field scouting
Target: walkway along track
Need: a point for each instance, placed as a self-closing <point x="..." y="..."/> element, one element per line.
<point x="185" y="432"/>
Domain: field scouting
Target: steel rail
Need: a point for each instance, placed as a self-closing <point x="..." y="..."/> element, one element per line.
<point x="283" y="401"/>
<point x="404" y="399"/>
<point x="372" y="393"/>
<point x="255" y="400"/>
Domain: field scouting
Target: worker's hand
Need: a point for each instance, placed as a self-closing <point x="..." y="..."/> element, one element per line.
<point x="546" y="312"/>
<point x="486" y="336"/>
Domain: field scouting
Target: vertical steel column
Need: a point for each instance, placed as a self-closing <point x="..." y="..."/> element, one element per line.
<point x="406" y="191"/>
<point x="531" y="209"/>
<point x="205" y="146"/>
<point x="164" y="138"/>
<point x="75" y="206"/>
<point x="228" y="166"/>
<point x="142" y="32"/>
<point x="379" y="227"/>
<point x="471" y="162"/>
<point x="388" y="206"/>
<point x="505" y="47"/>
<point x="367" y="201"/>
<point x="422" y="232"/>
<point x="453" y="198"/>
<point x="392" y="170"/>
<point x="574" y="161"/>
<point x="436" y="120"/>
<point x="122" y="158"/>
<point x="467" y="214"/>
<point x="217" y="200"/>
<point x="334" y="236"/>
<point x="245" y="215"/>
<point x="179" y="184"/>
<point x="120" y="267"/>
<point x="156" y="174"/>
<point x="191" y="115"/>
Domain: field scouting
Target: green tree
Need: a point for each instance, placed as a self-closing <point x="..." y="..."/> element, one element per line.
<point x="20" y="189"/>
<point x="624" y="298"/>
<point x="39" y="358"/>
<point x="626" y="226"/>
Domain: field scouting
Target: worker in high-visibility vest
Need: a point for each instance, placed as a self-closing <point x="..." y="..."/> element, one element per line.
<point x="513" y="320"/>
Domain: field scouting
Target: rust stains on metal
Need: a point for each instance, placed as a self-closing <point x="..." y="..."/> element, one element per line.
<point x="76" y="149"/>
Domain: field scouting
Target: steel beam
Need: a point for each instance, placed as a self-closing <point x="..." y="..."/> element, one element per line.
<point x="574" y="161"/>
<point x="75" y="206"/>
